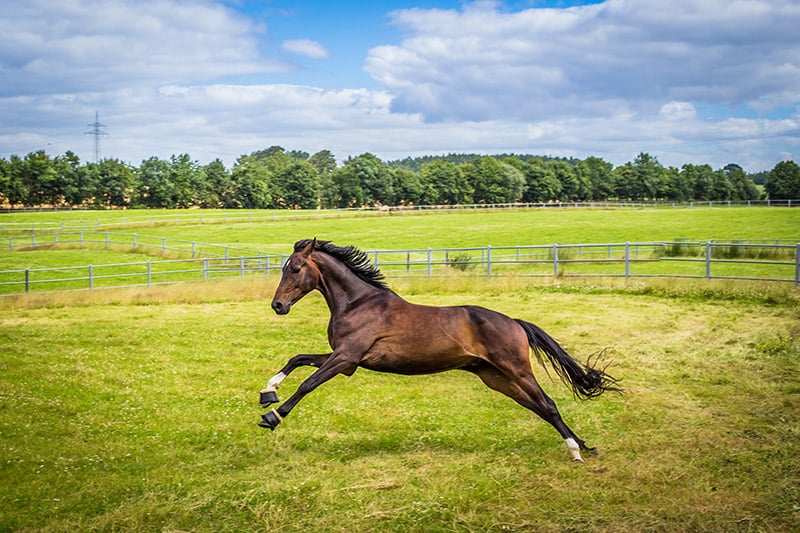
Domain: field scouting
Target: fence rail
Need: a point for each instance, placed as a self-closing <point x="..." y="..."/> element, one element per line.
<point x="129" y="241"/>
<point x="766" y="261"/>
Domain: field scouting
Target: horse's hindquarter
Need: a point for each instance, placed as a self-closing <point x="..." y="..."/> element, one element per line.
<point x="418" y="339"/>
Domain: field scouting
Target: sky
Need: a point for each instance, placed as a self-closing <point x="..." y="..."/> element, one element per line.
<point x="711" y="82"/>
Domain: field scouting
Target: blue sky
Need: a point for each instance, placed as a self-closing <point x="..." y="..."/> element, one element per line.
<point x="688" y="82"/>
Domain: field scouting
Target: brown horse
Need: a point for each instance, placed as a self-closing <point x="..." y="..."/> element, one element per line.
<point x="374" y="328"/>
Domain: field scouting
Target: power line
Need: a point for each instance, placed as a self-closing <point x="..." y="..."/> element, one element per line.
<point x="97" y="131"/>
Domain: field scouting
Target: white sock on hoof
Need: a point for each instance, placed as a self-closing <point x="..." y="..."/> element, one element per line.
<point x="574" y="449"/>
<point x="275" y="381"/>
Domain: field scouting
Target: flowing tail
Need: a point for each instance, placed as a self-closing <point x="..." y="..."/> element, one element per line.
<point x="585" y="380"/>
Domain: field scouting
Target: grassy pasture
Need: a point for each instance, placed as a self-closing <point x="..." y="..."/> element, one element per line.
<point x="449" y="229"/>
<point x="136" y="410"/>
<point x="453" y="229"/>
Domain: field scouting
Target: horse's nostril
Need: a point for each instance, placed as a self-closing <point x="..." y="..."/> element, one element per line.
<point x="277" y="306"/>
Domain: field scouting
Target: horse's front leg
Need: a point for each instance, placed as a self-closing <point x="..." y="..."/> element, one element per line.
<point x="330" y="368"/>
<point x="269" y="394"/>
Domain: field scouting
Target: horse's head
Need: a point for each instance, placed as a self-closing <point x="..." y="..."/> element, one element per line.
<point x="300" y="276"/>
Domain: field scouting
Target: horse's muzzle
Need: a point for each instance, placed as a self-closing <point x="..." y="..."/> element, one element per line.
<point x="280" y="307"/>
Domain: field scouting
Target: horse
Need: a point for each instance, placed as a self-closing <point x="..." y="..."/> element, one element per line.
<point x="374" y="328"/>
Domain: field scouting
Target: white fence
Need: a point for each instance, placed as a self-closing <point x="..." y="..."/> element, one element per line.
<point x="773" y="261"/>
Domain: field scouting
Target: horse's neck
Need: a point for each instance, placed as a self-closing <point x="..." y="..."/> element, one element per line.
<point x="340" y="287"/>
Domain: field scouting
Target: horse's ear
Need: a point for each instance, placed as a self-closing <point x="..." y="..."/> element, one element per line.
<point x="305" y="252"/>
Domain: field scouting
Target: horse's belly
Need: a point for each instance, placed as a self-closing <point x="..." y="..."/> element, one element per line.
<point x="413" y="363"/>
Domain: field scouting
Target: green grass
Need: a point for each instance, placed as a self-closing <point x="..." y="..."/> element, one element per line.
<point x="136" y="410"/>
<point x="436" y="230"/>
<point x="452" y="229"/>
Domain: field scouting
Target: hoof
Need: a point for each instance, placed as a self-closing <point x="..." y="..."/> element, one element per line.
<point x="268" y="397"/>
<point x="270" y="419"/>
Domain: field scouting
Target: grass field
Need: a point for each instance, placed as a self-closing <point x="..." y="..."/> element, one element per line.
<point x="453" y="229"/>
<point x="136" y="409"/>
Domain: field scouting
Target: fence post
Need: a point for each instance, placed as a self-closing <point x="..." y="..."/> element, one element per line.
<point x="708" y="260"/>
<point x="91" y="277"/>
<point x="797" y="267"/>
<point x="555" y="260"/>
<point x="429" y="262"/>
<point x="194" y="245"/>
<point x="241" y="266"/>
<point x="489" y="261"/>
<point x="205" y="268"/>
<point x="134" y="242"/>
<point x="627" y="260"/>
<point x="149" y="274"/>
<point x="27" y="280"/>
<point x="108" y="237"/>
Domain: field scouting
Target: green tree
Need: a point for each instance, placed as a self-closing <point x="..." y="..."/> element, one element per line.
<point x="219" y="187"/>
<point x="649" y="178"/>
<point x="673" y="186"/>
<point x="493" y="181"/>
<point x="156" y="189"/>
<point x="346" y="187"/>
<point x="783" y="182"/>
<point x="742" y="186"/>
<point x="721" y="189"/>
<point x="325" y="164"/>
<point x="599" y="178"/>
<point x="74" y="189"/>
<point x="699" y="180"/>
<point x="296" y="186"/>
<point x="115" y="183"/>
<point x="565" y="173"/>
<point x="323" y="161"/>
<point x="443" y="182"/>
<point x="16" y="191"/>
<point x="250" y="178"/>
<point x="374" y="177"/>
<point x="188" y="181"/>
<point x="41" y="180"/>
<point x="5" y="181"/>
<point x="541" y="184"/>
<point x="486" y="175"/>
<point x="625" y="177"/>
<point x="407" y="186"/>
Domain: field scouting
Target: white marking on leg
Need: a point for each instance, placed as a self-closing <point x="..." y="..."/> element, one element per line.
<point x="275" y="381"/>
<point x="574" y="449"/>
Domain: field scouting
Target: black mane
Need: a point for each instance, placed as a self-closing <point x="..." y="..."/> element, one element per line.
<point x="356" y="260"/>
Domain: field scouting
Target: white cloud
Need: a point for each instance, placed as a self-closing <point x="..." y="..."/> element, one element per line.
<point x="306" y="47"/>
<point x="91" y="45"/>
<point x="678" y="111"/>
<point x="591" y="60"/>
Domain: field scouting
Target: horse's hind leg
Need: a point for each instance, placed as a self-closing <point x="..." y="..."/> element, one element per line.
<point x="269" y="394"/>
<point x="526" y="392"/>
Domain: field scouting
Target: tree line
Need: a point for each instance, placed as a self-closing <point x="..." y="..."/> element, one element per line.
<point x="279" y="178"/>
